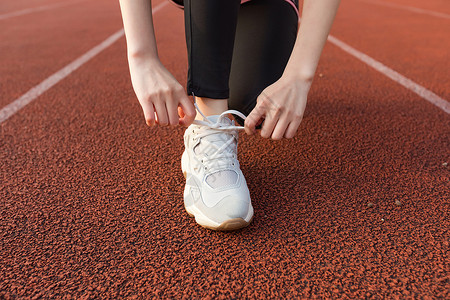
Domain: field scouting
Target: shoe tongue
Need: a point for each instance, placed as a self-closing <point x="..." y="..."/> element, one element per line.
<point x="224" y="120"/>
<point x="218" y="138"/>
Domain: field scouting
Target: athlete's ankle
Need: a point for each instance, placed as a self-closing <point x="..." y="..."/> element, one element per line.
<point x="210" y="106"/>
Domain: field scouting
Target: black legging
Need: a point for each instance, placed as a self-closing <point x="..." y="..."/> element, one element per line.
<point x="235" y="51"/>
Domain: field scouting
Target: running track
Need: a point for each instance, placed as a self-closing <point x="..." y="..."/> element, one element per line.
<point x="356" y="206"/>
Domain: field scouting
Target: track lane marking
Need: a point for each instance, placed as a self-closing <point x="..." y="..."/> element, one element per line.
<point x="395" y="76"/>
<point x="42" y="87"/>
<point x="39" y="89"/>
<point x="13" y="107"/>
<point x="36" y="9"/>
<point x="409" y="8"/>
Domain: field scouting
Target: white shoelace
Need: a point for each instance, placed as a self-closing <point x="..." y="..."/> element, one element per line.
<point x="223" y="156"/>
<point x="218" y="125"/>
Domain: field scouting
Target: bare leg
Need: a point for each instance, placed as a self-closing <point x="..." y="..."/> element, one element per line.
<point x="210" y="106"/>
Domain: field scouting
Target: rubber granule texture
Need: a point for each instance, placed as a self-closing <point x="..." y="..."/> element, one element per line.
<point x="355" y="206"/>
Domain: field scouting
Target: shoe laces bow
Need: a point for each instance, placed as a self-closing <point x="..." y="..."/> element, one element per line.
<point x="217" y="157"/>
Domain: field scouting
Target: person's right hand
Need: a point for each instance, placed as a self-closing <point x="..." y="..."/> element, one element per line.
<point x="162" y="98"/>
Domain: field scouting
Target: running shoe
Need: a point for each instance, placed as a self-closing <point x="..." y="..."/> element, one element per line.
<point x="216" y="192"/>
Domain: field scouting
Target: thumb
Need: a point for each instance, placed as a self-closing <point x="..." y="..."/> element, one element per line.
<point x="149" y="113"/>
<point x="186" y="111"/>
<point x="253" y="119"/>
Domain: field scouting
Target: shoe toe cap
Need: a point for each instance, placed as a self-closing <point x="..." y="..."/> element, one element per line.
<point x="230" y="207"/>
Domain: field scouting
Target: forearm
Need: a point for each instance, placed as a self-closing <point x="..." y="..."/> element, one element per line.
<point x="138" y="25"/>
<point x="317" y="18"/>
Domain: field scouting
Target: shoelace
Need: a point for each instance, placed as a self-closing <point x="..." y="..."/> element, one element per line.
<point x="220" y="158"/>
<point x="218" y="125"/>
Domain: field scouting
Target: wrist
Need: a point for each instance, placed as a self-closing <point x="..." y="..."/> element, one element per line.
<point x="137" y="56"/>
<point x="299" y="76"/>
<point x="302" y="73"/>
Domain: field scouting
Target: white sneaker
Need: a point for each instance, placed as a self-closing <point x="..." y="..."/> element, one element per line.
<point x="216" y="192"/>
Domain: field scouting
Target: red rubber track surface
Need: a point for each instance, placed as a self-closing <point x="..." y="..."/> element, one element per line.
<point x="410" y="43"/>
<point x="440" y="6"/>
<point x="36" y="45"/>
<point x="355" y="206"/>
<point x="17" y="5"/>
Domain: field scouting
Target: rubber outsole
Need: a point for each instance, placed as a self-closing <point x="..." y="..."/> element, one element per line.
<point x="228" y="225"/>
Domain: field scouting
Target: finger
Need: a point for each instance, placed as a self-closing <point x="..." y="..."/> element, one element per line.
<point x="292" y="128"/>
<point x="172" y="112"/>
<point x="280" y="128"/>
<point x="180" y="112"/>
<point x="272" y="116"/>
<point x="268" y="126"/>
<point x="188" y="110"/>
<point x="161" y="113"/>
<point x="149" y="113"/>
<point x="253" y="119"/>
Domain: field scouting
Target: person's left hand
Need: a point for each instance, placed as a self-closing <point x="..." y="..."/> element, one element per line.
<point x="280" y="106"/>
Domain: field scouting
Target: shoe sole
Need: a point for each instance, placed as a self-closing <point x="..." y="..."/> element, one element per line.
<point x="228" y="225"/>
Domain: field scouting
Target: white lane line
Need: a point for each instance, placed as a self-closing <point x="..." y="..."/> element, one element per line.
<point x="42" y="87"/>
<point x="409" y="8"/>
<point x="36" y="9"/>
<point x="39" y="89"/>
<point x="395" y="76"/>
